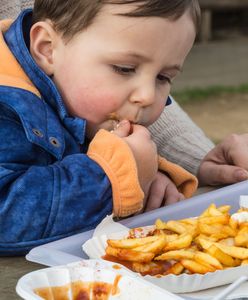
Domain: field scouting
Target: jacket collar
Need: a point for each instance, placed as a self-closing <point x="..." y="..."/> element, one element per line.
<point x="17" y="39"/>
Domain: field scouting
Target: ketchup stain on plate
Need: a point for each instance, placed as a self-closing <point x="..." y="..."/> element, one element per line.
<point x="96" y="290"/>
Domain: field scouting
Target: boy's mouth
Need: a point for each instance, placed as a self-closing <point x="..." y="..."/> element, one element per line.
<point x="116" y="120"/>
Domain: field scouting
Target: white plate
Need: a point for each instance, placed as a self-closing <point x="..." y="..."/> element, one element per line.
<point x="184" y="283"/>
<point x="128" y="285"/>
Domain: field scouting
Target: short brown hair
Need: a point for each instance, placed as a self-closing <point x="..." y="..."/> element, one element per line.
<point x="72" y="16"/>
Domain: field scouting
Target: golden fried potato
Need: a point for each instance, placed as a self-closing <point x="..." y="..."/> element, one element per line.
<point x="155" y="246"/>
<point x="205" y="258"/>
<point x="175" y="269"/>
<point x="176" y="255"/>
<point x="222" y="257"/>
<point x="196" y="267"/>
<point x="221" y="219"/>
<point x="160" y="224"/>
<point x="176" y="226"/>
<point x="241" y="239"/>
<point x="129" y="254"/>
<point x="183" y="241"/>
<point x="224" y="209"/>
<point x="131" y="243"/>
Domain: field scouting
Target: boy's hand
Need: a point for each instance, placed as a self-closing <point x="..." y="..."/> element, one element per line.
<point x="162" y="192"/>
<point x="144" y="150"/>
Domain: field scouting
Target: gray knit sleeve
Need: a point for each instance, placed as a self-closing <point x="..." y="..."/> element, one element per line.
<point x="9" y="9"/>
<point x="179" y="139"/>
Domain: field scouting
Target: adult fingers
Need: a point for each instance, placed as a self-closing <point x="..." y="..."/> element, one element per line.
<point x="213" y="174"/>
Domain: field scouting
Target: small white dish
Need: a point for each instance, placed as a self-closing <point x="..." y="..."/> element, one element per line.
<point x="120" y="283"/>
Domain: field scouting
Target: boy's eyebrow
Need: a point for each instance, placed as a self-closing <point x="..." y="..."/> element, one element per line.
<point x="146" y="59"/>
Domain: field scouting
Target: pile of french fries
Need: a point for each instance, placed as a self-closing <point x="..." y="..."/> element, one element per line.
<point x="213" y="241"/>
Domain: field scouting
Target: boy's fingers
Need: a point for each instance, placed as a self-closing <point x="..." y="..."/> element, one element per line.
<point x="158" y="196"/>
<point x="123" y="129"/>
<point x="140" y="129"/>
<point x="172" y="195"/>
<point x="155" y="197"/>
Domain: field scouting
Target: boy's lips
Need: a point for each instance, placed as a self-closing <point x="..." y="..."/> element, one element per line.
<point x="116" y="119"/>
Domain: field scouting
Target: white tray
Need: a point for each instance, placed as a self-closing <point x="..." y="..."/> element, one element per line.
<point x="68" y="250"/>
<point x="130" y="286"/>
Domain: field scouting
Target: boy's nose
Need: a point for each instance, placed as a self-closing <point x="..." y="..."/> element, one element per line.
<point x="144" y="95"/>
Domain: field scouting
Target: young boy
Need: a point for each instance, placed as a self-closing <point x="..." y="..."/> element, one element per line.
<point x="79" y="82"/>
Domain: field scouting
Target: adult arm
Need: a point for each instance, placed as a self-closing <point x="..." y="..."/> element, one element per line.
<point x="11" y="9"/>
<point x="179" y="139"/>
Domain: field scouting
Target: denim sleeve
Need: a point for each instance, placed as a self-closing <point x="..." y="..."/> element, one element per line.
<point x="41" y="201"/>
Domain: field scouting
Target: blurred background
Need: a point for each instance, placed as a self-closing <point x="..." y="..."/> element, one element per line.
<point x="213" y="87"/>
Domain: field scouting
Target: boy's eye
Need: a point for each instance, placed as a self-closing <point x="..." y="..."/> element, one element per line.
<point x="164" y="79"/>
<point x="123" y="70"/>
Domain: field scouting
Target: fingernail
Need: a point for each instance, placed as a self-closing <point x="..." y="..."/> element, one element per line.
<point x="241" y="175"/>
<point x="122" y="123"/>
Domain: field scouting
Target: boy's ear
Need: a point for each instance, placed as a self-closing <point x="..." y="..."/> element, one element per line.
<point x="42" y="42"/>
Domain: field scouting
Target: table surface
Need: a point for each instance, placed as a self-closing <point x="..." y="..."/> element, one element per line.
<point x="12" y="269"/>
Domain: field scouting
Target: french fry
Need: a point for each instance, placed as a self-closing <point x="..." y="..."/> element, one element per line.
<point x="227" y="241"/>
<point x="160" y="224"/>
<point x="176" y="255"/>
<point x="222" y="257"/>
<point x="171" y="237"/>
<point x="233" y="223"/>
<point x="205" y="258"/>
<point x="196" y="267"/>
<point x="244" y="262"/>
<point x="176" y="226"/>
<point x="242" y="225"/>
<point x="241" y="239"/>
<point x="191" y="221"/>
<point x="131" y="243"/>
<point x="130" y="255"/>
<point x="154" y="247"/>
<point x="236" y="252"/>
<point x="183" y="241"/>
<point x="148" y="268"/>
<point x="206" y="212"/>
<point x="216" y="228"/>
<point x="175" y="269"/>
<point x="224" y="209"/>
<point x="209" y="230"/>
<point x="221" y="219"/>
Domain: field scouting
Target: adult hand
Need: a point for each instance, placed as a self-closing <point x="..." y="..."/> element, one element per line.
<point x="227" y="163"/>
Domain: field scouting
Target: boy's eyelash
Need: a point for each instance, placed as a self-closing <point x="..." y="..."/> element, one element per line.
<point x="164" y="79"/>
<point x="123" y="70"/>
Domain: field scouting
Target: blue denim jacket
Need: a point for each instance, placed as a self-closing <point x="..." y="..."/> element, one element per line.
<point x="49" y="187"/>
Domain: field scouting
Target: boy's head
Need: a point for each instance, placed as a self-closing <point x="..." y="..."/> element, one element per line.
<point x="113" y="59"/>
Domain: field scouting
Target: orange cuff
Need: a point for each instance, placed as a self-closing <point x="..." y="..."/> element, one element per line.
<point x="116" y="159"/>
<point x="184" y="181"/>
